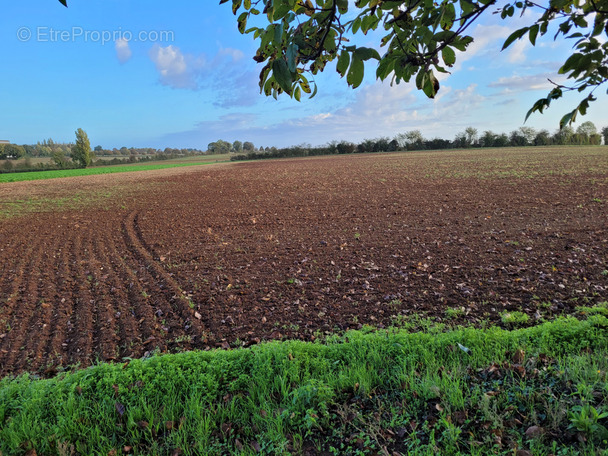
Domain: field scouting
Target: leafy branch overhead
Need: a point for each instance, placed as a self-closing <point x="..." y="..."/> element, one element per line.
<point x="297" y="39"/>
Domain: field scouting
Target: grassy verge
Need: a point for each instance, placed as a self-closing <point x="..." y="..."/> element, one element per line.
<point x="40" y="175"/>
<point x="536" y="391"/>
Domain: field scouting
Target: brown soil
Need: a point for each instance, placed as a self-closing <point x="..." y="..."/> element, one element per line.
<point x="232" y="255"/>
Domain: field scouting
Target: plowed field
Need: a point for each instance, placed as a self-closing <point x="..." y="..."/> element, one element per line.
<point x="236" y="254"/>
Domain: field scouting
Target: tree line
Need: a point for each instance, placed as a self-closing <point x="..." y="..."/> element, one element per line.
<point x="585" y="134"/>
<point x="79" y="155"/>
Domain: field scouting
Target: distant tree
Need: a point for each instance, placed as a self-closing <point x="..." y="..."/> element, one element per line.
<point x="13" y="151"/>
<point x="529" y="133"/>
<point x="381" y="145"/>
<point x="219" y="147"/>
<point x="411" y="140"/>
<point x="487" y="139"/>
<point x="587" y="134"/>
<point x="98" y="149"/>
<point x="248" y="146"/>
<point x="517" y="139"/>
<point x="595" y="140"/>
<point x="81" y="152"/>
<point x="237" y="147"/>
<point x="563" y="136"/>
<point x="605" y="135"/>
<point x="366" y="146"/>
<point x="587" y="128"/>
<point x="437" y="144"/>
<point x="542" y="138"/>
<point x="502" y="140"/>
<point x="60" y="159"/>
<point x="460" y="140"/>
<point x="345" y="147"/>
<point x="471" y="136"/>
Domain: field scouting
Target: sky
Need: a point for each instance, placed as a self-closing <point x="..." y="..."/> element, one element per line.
<point x="162" y="74"/>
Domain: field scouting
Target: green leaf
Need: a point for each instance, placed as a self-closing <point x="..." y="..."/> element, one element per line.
<point x="533" y="34"/>
<point x="448" y="55"/>
<point x="462" y="43"/>
<point x="385" y="67"/>
<point x="356" y="25"/>
<point x="292" y="55"/>
<point x="517" y="34"/>
<point x="342" y="6"/>
<point x="431" y="85"/>
<point x="343" y="62"/>
<point x="242" y="22"/>
<point x="365" y="53"/>
<point x="297" y="94"/>
<point x="282" y="74"/>
<point x="64" y="3"/>
<point x="568" y="119"/>
<point x="278" y="33"/>
<point x="354" y="77"/>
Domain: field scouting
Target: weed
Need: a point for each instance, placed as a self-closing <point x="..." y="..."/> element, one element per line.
<point x="454" y="312"/>
<point x="514" y="318"/>
<point x="585" y="418"/>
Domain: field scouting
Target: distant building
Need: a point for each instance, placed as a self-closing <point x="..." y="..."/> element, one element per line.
<point x="2" y="141"/>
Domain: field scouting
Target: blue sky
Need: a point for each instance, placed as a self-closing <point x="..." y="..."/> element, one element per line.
<point x="186" y="78"/>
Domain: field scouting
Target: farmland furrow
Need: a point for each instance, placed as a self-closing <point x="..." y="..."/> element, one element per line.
<point x="128" y="334"/>
<point x="13" y="276"/>
<point x="57" y="343"/>
<point x="18" y="341"/>
<point x="162" y="284"/>
<point x="81" y="324"/>
<point x="108" y="334"/>
<point x="131" y="293"/>
<point x="42" y="321"/>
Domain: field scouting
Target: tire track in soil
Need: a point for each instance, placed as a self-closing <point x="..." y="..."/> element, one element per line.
<point x="127" y="330"/>
<point x="162" y="284"/>
<point x="27" y="314"/>
<point x="147" y="328"/>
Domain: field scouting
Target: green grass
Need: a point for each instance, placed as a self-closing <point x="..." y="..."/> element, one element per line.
<point x="40" y="175"/>
<point x="466" y="391"/>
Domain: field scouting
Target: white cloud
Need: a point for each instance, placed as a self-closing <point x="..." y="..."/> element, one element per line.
<point x="517" y="83"/>
<point x="123" y="51"/>
<point x="377" y="110"/>
<point x="176" y="69"/>
<point x="232" y="80"/>
<point x="517" y="51"/>
<point x="234" y="54"/>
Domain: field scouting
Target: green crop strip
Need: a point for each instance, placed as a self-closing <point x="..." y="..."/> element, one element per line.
<point x="41" y="175"/>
